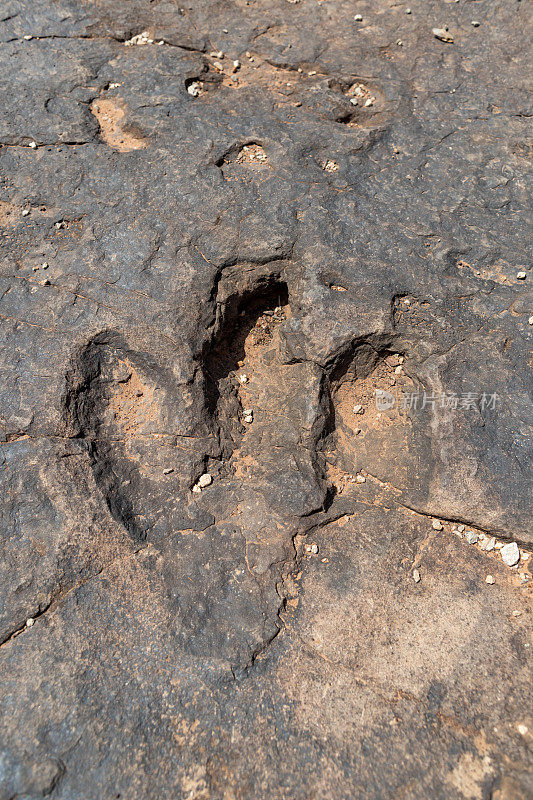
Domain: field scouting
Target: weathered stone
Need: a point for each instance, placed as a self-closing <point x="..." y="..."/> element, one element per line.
<point x="262" y="206"/>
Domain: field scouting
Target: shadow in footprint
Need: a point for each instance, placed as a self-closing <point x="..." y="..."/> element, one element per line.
<point x="241" y="314"/>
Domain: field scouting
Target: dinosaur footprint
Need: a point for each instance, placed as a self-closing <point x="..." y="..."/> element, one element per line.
<point x="249" y="420"/>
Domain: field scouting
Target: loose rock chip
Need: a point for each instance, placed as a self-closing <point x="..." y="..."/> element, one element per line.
<point x="442" y="34"/>
<point x="510" y="554"/>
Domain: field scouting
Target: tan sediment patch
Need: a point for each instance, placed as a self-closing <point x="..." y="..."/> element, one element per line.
<point x="111" y="116"/>
<point x="252" y="154"/>
<point x="132" y="403"/>
<point x="469" y="775"/>
<point x="8" y="213"/>
<point x="362" y="392"/>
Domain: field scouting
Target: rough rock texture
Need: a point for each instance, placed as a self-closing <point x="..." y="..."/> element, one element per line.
<point x="205" y="267"/>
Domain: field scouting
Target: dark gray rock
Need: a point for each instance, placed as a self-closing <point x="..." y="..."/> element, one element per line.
<point x="263" y="243"/>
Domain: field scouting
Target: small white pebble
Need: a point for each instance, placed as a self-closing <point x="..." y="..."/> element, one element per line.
<point x="490" y="544"/>
<point x="25" y="212"/>
<point x="398" y="370"/>
<point x="522" y="729"/>
<point x="369" y="102"/>
<point x="436" y="525"/>
<point x="358" y="409"/>
<point x="460" y="528"/>
<point x="399" y="43"/>
<point x="406" y="301"/>
<point x="44" y="265"/>
<point x="46" y="282"/>
<point x="471" y="537"/>
<point x="360" y="479"/>
<point x="33" y="145"/>
<point x="475" y="23"/>
<point x="416" y="576"/>
<point x="510" y="554"/>
<point x="168" y="471"/>
<point x="520" y="276"/>
<point x="358" y="18"/>
<point x="442" y="34"/>
<point x="196" y="489"/>
<point x="205" y="480"/>
<point x="312" y="548"/>
<point x="194" y="89"/>
<point x="516" y="613"/>
<point x="29" y="622"/>
<point x="354" y="101"/>
<point x="489" y="579"/>
<point x="243" y="378"/>
<point x="408" y="11"/>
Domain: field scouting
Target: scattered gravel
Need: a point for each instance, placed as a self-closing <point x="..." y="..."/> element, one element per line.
<point x="139" y="39"/>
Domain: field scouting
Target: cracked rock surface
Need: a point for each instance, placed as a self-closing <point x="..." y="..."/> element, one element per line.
<point x="265" y="407"/>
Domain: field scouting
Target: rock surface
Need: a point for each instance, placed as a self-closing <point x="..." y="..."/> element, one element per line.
<point x="224" y="226"/>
